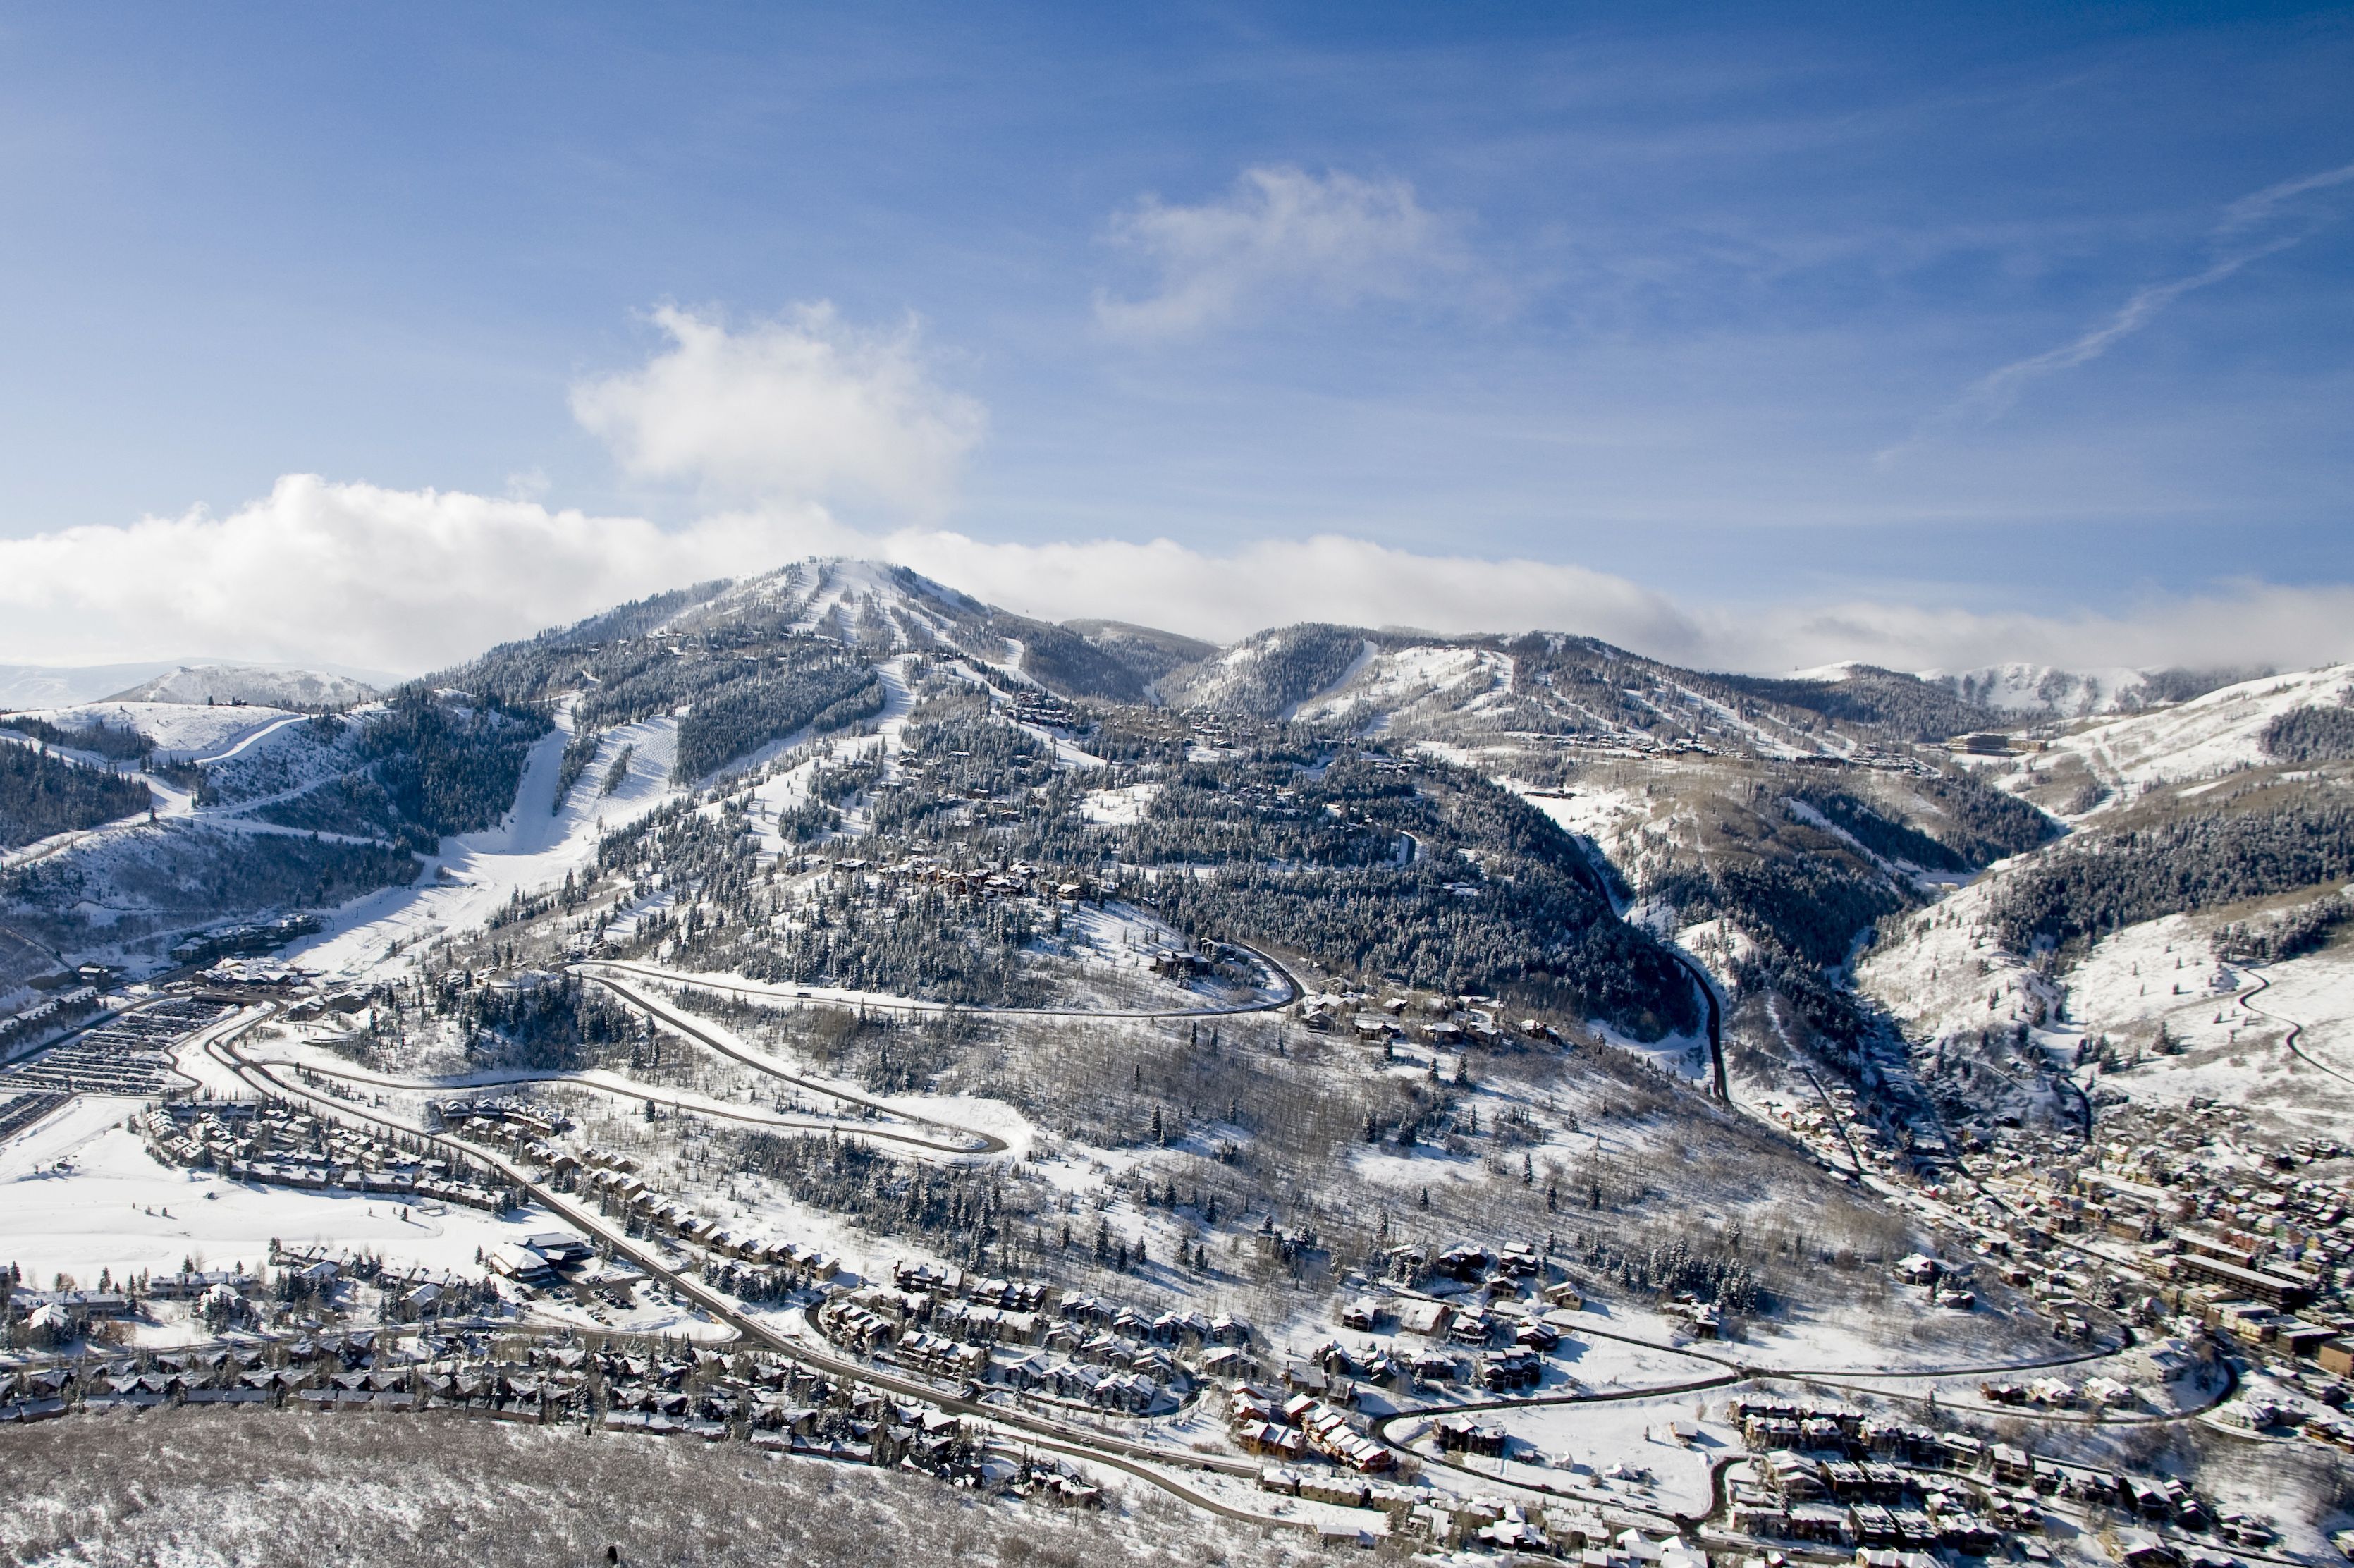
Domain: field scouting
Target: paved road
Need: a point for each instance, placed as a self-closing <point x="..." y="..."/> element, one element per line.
<point x="1134" y="1458"/>
<point x="1293" y="991"/>
<point x="1715" y="1023"/>
<point x="687" y="1024"/>
<point x="2264" y="983"/>
<point x="967" y="1144"/>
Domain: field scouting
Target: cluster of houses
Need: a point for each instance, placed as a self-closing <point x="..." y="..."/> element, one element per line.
<point x="225" y="940"/>
<point x="26" y="1024"/>
<point x="770" y="1402"/>
<point x="273" y="1142"/>
<point x="1014" y="879"/>
<point x="411" y="1293"/>
<point x="755" y="1265"/>
<point x="128" y="1054"/>
<point x="1441" y="1021"/>
<point x="1029" y="1336"/>
<point x="2182" y="1217"/>
<point x="1291" y="1428"/>
<point x="1830" y="1476"/>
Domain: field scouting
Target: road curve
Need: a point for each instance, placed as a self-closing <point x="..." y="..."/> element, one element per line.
<point x="1715" y="1023"/>
<point x="784" y="1121"/>
<point x="1293" y="991"/>
<point x="2264" y="983"/>
<point x="1114" y="1452"/>
<point x="686" y="1024"/>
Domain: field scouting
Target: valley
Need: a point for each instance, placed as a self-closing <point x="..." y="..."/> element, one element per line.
<point x="1489" y="1094"/>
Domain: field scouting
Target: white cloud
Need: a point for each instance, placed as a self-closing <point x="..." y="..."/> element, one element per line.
<point x="800" y="408"/>
<point x="1357" y="582"/>
<point x="1281" y="236"/>
<point x="2244" y="623"/>
<point x="393" y="579"/>
<point x="411" y="580"/>
<point x="1277" y="581"/>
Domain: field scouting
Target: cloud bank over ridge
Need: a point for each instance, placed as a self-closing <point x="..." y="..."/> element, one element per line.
<point x="412" y="580"/>
<point x="783" y="428"/>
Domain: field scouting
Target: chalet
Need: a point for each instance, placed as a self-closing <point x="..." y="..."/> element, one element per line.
<point x="1429" y="1319"/>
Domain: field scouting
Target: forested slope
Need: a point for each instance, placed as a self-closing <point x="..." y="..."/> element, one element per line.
<point x="41" y="795"/>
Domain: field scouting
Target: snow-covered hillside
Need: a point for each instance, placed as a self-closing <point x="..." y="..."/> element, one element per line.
<point x="2202" y="738"/>
<point x="2038" y="689"/>
<point x="181" y="731"/>
<point x="854" y="601"/>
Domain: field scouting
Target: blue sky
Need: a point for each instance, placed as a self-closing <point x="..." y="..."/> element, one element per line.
<point x="1931" y="309"/>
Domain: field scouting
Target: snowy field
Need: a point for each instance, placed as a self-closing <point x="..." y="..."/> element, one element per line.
<point x="179" y="730"/>
<point x="2227" y="1026"/>
<point x="2202" y="738"/>
<point x="79" y="1194"/>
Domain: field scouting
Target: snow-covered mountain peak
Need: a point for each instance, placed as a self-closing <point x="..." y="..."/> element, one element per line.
<point x="859" y="600"/>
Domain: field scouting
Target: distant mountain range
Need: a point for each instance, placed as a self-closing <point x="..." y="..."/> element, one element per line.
<point x="257" y="685"/>
<point x="179" y="681"/>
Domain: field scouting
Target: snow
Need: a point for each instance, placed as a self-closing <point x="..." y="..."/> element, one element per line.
<point x="1382" y="682"/>
<point x="2022" y="688"/>
<point x="178" y="729"/>
<point x="2202" y="738"/>
<point x="269" y="685"/>
<point x="1599" y="812"/>
<point x="77" y="1193"/>
<point x="1939" y="975"/>
<point x="1119" y="808"/>
<point x="2231" y="1037"/>
<point x="532" y="848"/>
<point x="835" y="595"/>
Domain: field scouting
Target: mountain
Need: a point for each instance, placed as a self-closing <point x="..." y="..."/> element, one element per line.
<point x="2045" y="690"/>
<point x="257" y="685"/>
<point x="1554" y="686"/>
<point x="59" y="685"/>
<point x="1278" y="967"/>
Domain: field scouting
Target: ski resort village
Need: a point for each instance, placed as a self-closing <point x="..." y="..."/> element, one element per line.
<point x="1456" y="1099"/>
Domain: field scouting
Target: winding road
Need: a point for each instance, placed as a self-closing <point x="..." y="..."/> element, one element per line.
<point x="1134" y="1458"/>
<point x="969" y="1145"/>
<point x="1141" y="1460"/>
<point x="605" y="969"/>
<point x="2296" y="1030"/>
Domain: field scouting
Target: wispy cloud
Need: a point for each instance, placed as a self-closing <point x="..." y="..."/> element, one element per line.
<point x="2237" y="241"/>
<point x="1281" y="236"/>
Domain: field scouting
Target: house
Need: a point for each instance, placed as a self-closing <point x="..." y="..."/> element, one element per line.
<point x="1429" y="1319"/>
<point x="1917" y="1269"/>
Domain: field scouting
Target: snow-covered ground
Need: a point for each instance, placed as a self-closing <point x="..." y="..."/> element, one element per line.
<point x="1605" y="813"/>
<point x="79" y="1194"/>
<point x="2204" y="737"/>
<point x="1385" y="683"/>
<point x="2227" y="1027"/>
<point x="1119" y="808"/>
<point x="181" y="731"/>
<point x="530" y="850"/>
<point x="1946" y="975"/>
